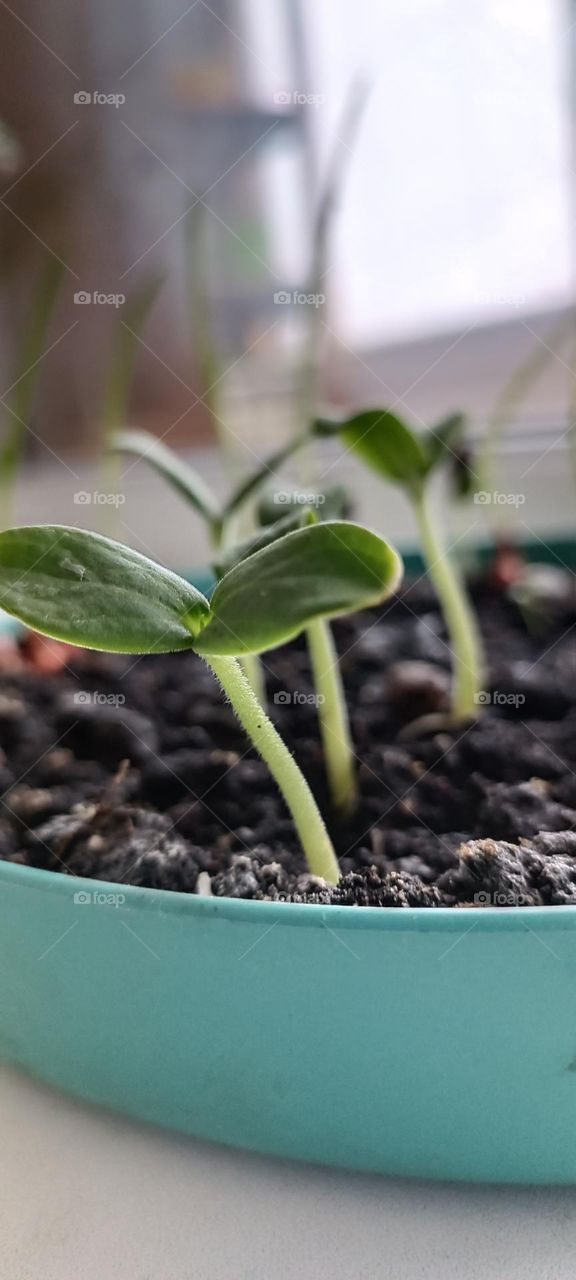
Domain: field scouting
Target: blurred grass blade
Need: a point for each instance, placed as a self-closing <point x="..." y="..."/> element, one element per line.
<point x="187" y="481"/>
<point x="256" y="481"/>
<point x="121" y="369"/>
<point x="31" y="348"/>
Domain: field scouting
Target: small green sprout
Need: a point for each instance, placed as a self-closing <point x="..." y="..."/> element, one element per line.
<point x="190" y="485"/>
<point x="88" y="590"/>
<point x="218" y="517"/>
<point x="409" y="459"/>
<point x="327" y="678"/>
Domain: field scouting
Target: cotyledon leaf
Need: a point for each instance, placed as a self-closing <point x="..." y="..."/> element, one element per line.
<point x="317" y="572"/>
<point x="88" y="590"/>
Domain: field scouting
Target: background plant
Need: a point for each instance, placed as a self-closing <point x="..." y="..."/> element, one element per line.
<point x="409" y="459"/>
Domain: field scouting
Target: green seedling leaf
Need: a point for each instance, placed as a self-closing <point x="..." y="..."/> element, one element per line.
<point x="295" y="519"/>
<point x="445" y="439"/>
<point x="91" y="591"/>
<point x="256" y="481"/>
<point x="317" y="572"/>
<point x="384" y="442"/>
<point x="183" y="478"/>
<point x="463" y="476"/>
<point x="329" y="504"/>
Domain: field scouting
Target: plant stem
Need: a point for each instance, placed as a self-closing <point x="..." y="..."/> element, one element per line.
<point x="314" y="837"/>
<point x="254" y="672"/>
<point x="465" y="641"/>
<point x="332" y="716"/>
<point x="250" y="662"/>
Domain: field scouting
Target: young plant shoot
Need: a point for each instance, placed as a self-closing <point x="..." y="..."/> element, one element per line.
<point x="88" y="590"/>
<point x="327" y="678"/>
<point x="217" y="516"/>
<point x="409" y="459"/>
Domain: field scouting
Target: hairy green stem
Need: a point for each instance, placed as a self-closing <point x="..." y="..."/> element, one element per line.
<point x="465" y="642"/>
<point x="250" y="662"/>
<point x="253" y="670"/>
<point x="313" y="835"/>
<point x="333" y="716"/>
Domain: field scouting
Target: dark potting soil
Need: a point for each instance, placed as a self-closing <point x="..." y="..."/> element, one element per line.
<point x="133" y="770"/>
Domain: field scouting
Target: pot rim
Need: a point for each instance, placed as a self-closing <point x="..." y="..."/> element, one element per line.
<point x="249" y="911"/>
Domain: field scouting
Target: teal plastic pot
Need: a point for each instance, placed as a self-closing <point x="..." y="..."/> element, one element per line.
<point x="429" y="1043"/>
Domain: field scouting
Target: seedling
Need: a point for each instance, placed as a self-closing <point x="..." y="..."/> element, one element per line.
<point x="217" y="516"/>
<point x="190" y="485"/>
<point x="88" y="590"/>
<point x="399" y="454"/>
<point x="331" y="700"/>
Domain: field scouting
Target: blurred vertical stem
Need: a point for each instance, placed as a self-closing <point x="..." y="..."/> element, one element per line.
<point x="464" y="636"/>
<point x="333" y="717"/>
<point x="30" y="351"/>
<point x="118" y="384"/>
<point x="200" y="318"/>
<point x="322" y="225"/>
<point x="513" y="393"/>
